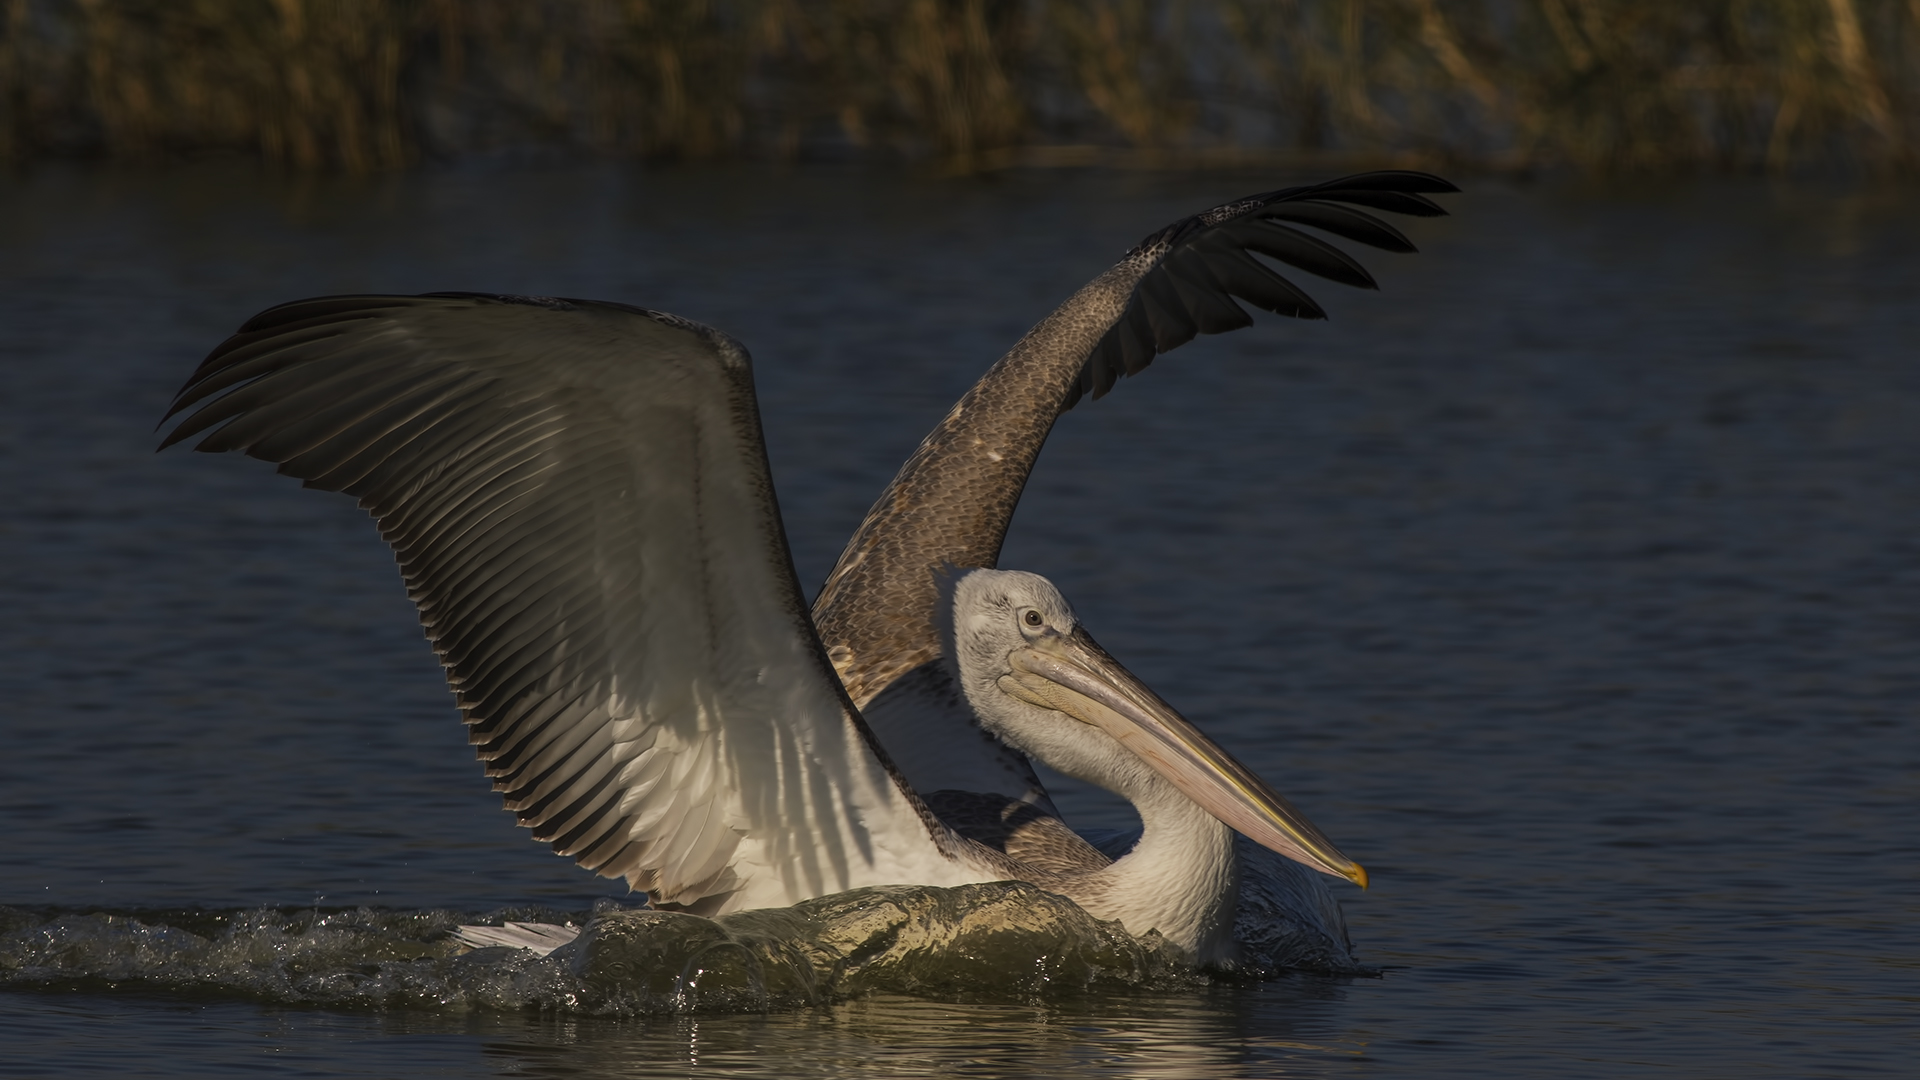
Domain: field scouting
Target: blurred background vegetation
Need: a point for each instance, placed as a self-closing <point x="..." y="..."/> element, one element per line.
<point x="367" y="85"/>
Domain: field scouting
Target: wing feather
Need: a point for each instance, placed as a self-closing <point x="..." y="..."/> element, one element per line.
<point x="577" y="496"/>
<point x="1342" y="222"/>
<point x="1295" y="248"/>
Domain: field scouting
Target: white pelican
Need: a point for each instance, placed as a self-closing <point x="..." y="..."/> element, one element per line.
<point x="578" y="496"/>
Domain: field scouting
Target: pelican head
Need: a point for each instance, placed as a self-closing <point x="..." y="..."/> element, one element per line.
<point x="1040" y="683"/>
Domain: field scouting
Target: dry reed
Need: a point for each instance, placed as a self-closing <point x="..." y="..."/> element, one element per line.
<point x="365" y="85"/>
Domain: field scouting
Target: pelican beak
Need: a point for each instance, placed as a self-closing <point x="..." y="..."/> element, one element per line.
<point x="1071" y="674"/>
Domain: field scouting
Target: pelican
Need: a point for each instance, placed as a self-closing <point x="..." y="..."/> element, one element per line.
<point x="578" y="496"/>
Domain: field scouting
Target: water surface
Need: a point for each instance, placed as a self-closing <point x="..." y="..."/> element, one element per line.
<point x="1570" y="584"/>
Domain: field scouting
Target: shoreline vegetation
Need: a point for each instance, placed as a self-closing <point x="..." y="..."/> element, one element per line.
<point x="364" y="86"/>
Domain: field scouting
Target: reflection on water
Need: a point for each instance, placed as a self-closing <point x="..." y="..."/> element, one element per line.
<point x="1569" y="583"/>
<point x="1278" y="1028"/>
<point x="1196" y="1036"/>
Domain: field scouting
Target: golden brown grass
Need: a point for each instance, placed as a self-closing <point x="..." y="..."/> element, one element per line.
<point x="366" y="85"/>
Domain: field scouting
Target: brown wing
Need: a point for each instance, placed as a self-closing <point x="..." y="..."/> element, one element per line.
<point x="950" y="504"/>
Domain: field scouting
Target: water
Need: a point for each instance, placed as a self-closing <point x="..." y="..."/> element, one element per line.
<point x="1570" y="585"/>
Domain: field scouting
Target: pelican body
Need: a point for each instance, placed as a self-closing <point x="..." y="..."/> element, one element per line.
<point x="578" y="496"/>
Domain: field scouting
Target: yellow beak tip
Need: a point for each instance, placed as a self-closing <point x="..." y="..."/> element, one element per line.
<point x="1359" y="875"/>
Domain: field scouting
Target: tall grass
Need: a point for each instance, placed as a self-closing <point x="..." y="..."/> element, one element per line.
<point x="364" y="85"/>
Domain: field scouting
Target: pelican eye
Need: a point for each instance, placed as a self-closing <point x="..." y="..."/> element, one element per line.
<point x="1033" y="618"/>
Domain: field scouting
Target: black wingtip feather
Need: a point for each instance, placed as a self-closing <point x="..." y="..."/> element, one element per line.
<point x="1410" y="203"/>
<point x="1409" y="181"/>
<point x="1201" y="264"/>
<point x="1344" y="222"/>
<point x="1296" y="248"/>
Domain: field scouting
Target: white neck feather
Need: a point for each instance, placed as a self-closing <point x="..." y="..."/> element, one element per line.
<point x="1180" y="879"/>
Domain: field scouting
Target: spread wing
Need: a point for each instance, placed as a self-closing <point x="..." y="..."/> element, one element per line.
<point x="950" y="504"/>
<point x="578" y="497"/>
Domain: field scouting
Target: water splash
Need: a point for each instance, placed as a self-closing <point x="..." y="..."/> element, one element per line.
<point x="358" y="957"/>
<point x="1002" y="942"/>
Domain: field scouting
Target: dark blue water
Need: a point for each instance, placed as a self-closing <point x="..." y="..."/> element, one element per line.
<point x="1572" y="585"/>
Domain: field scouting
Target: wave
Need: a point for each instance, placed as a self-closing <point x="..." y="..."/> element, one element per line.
<point x="999" y="942"/>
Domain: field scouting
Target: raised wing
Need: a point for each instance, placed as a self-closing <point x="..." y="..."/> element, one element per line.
<point x="578" y="497"/>
<point x="950" y="504"/>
